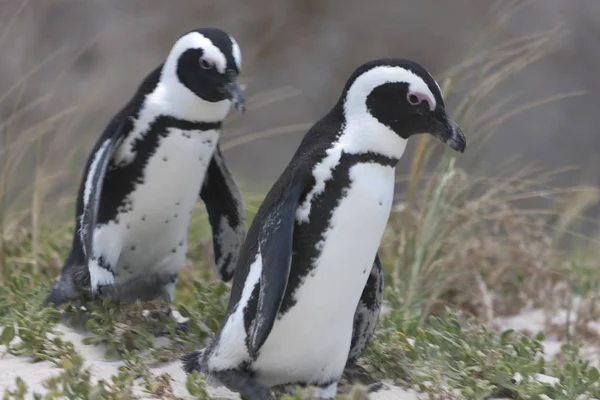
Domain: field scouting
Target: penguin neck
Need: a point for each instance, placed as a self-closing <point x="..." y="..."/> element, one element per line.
<point x="364" y="134"/>
<point x="173" y="98"/>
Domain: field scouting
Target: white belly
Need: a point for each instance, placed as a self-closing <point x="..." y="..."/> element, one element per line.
<point x="310" y="343"/>
<point x="152" y="236"/>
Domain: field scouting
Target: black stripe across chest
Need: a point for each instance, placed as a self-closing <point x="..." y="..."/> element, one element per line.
<point x="121" y="179"/>
<point x="307" y="235"/>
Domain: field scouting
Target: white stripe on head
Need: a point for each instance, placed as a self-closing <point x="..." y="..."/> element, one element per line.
<point x="363" y="132"/>
<point x="356" y="97"/>
<point x="237" y="53"/>
<point x="173" y="98"/>
<point x="195" y="40"/>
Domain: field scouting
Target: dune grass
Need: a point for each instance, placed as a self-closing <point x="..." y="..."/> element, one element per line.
<point x="460" y="249"/>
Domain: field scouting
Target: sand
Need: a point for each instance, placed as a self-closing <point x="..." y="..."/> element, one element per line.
<point x="35" y="373"/>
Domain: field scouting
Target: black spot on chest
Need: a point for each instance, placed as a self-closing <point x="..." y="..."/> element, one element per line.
<point x="308" y="234"/>
<point x="122" y="179"/>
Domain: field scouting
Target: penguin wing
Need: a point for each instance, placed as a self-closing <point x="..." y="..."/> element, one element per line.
<point x="224" y="204"/>
<point x="94" y="180"/>
<point x="367" y="312"/>
<point x="275" y="243"/>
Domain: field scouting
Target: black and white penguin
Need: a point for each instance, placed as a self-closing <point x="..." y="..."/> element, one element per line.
<point x="308" y="286"/>
<point x="156" y="158"/>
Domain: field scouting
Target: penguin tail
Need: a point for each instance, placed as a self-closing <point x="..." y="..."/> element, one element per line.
<point x="192" y="361"/>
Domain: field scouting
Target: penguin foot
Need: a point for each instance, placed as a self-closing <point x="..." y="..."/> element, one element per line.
<point x="105" y="292"/>
<point x="54" y="299"/>
<point x="327" y="391"/>
<point x="355" y="373"/>
<point x="504" y="393"/>
<point x="375" y="387"/>
<point x="180" y="326"/>
<point x="244" y="384"/>
<point x="61" y="294"/>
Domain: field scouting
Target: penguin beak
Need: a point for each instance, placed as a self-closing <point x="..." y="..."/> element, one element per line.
<point x="236" y="94"/>
<point x="450" y="133"/>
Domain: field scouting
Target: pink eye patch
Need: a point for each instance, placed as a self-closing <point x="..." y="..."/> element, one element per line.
<point x="415" y="98"/>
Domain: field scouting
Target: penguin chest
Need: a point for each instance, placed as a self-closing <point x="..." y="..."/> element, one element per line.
<point x="349" y="244"/>
<point x="153" y="229"/>
<point x="315" y="333"/>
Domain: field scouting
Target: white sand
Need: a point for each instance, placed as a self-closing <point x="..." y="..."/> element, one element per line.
<point x="35" y="373"/>
<point x="533" y="320"/>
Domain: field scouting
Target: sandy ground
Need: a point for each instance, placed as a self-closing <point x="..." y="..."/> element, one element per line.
<point x="533" y="320"/>
<point x="35" y="373"/>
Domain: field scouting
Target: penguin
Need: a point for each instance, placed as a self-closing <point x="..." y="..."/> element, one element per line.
<point x="308" y="286"/>
<point x="155" y="159"/>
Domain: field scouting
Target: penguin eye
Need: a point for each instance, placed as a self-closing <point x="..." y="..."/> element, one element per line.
<point x="205" y="64"/>
<point x="416" y="98"/>
<point x="413" y="99"/>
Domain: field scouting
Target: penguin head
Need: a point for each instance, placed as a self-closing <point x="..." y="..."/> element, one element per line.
<point x="206" y="62"/>
<point x="400" y="96"/>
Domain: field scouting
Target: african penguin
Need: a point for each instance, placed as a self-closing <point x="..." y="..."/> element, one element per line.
<point x="308" y="285"/>
<point x="156" y="158"/>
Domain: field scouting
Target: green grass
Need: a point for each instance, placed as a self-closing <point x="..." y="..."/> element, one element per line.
<point x="460" y="249"/>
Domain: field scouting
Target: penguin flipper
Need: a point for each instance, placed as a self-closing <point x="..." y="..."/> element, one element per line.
<point x="367" y="312"/>
<point x="223" y="200"/>
<point x="275" y="242"/>
<point x="93" y="183"/>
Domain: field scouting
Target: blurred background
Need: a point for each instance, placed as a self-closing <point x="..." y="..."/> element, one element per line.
<point x="68" y="65"/>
